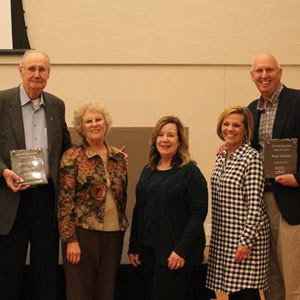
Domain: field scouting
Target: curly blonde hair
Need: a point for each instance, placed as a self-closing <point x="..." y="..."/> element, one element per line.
<point x="96" y="106"/>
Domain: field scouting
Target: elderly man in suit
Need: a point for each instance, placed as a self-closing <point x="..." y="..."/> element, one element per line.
<point x="30" y="118"/>
<point x="277" y="116"/>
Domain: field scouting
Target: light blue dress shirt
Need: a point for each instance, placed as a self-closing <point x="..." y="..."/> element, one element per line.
<point x="35" y="125"/>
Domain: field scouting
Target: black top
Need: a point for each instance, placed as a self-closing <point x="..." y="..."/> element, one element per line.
<point x="180" y="213"/>
<point x="150" y="230"/>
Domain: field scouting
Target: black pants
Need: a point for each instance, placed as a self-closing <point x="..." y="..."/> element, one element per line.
<point x="160" y="282"/>
<point x="94" y="277"/>
<point x="34" y="224"/>
<point x="246" y="294"/>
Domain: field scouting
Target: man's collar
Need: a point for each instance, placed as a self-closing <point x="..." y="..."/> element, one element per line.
<point x="273" y="100"/>
<point x="25" y="99"/>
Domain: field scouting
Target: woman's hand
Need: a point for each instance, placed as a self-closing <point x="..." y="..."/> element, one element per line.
<point x="175" y="261"/>
<point x="134" y="259"/>
<point x="242" y="253"/>
<point x="73" y="253"/>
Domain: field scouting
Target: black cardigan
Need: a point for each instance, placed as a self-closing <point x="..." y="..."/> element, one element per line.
<point x="182" y="210"/>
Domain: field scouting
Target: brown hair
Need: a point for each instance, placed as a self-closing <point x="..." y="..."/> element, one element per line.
<point x="247" y="121"/>
<point x="182" y="157"/>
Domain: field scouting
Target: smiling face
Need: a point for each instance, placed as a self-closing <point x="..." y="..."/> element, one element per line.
<point x="167" y="141"/>
<point x="266" y="75"/>
<point x="233" y="131"/>
<point x="93" y="126"/>
<point x="34" y="71"/>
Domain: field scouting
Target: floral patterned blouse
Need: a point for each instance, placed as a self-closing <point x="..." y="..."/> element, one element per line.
<point x="83" y="190"/>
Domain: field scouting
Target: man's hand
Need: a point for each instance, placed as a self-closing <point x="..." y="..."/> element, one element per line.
<point x="73" y="253"/>
<point x="134" y="259"/>
<point x="175" y="261"/>
<point x="11" y="178"/>
<point x="287" y="180"/>
<point x="221" y="148"/>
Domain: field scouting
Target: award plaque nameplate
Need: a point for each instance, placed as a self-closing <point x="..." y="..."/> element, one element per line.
<point x="280" y="157"/>
<point x="30" y="165"/>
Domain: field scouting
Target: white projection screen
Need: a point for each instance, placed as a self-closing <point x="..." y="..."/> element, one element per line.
<point x="6" y="41"/>
<point x="13" y="34"/>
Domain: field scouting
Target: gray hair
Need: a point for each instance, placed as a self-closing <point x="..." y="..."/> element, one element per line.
<point x="96" y="106"/>
<point x="28" y="52"/>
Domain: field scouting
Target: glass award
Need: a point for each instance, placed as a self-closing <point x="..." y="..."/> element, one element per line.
<point x="30" y="165"/>
<point x="280" y="157"/>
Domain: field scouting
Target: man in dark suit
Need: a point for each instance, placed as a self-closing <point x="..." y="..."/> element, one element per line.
<point x="30" y="118"/>
<point x="277" y="116"/>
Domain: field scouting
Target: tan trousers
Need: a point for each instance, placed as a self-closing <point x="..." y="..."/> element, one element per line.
<point x="284" y="255"/>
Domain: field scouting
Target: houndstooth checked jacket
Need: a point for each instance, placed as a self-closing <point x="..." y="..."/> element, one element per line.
<point x="238" y="218"/>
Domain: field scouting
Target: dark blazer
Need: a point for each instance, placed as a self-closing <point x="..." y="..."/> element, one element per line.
<point x="182" y="200"/>
<point x="12" y="137"/>
<point x="286" y="125"/>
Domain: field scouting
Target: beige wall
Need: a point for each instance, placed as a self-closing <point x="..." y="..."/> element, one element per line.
<point x="145" y="59"/>
<point x="164" y="31"/>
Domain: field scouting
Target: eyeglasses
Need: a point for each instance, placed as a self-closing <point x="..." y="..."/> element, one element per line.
<point x="33" y="69"/>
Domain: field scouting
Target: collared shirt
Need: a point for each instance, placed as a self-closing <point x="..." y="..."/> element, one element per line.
<point x="84" y="187"/>
<point x="35" y="126"/>
<point x="267" y="116"/>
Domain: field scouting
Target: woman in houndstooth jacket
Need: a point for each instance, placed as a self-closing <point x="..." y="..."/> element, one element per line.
<point x="239" y="248"/>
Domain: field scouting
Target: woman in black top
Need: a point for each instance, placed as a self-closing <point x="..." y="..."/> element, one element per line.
<point x="167" y="232"/>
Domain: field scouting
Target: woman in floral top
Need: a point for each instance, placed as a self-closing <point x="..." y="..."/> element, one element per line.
<point x="91" y="209"/>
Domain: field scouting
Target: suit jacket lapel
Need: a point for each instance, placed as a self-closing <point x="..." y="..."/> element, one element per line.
<point x="50" y="114"/>
<point x="257" y="115"/>
<point x="282" y="114"/>
<point x="16" y="117"/>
